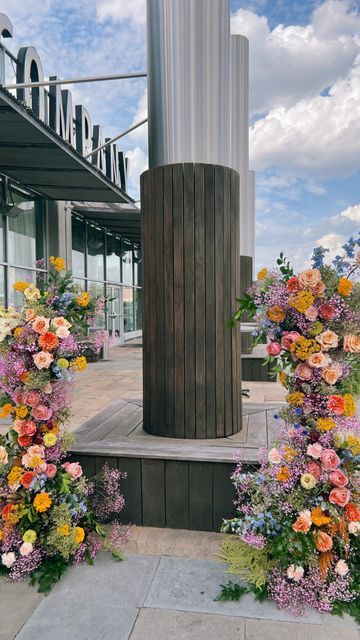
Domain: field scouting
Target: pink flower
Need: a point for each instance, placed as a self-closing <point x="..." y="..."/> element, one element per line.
<point x="330" y="460"/>
<point x="273" y="348"/>
<point x="26" y="548"/>
<point x="341" y="568"/>
<point x="311" y="314"/>
<point x="73" y="468"/>
<point x="28" y="428"/>
<point x="310" y="278"/>
<point x="60" y="322"/>
<point x="289" y="338"/>
<point x="319" y="360"/>
<point x="314" y="450"/>
<point x="50" y="470"/>
<point x="62" y="332"/>
<point x="18" y="425"/>
<point x="35" y="450"/>
<point x="340" y="497"/>
<point x="32" y="398"/>
<point x="43" y="359"/>
<point x="315" y="469"/>
<point x="274" y="456"/>
<point x="338" y="478"/>
<point x="328" y="340"/>
<point x="303" y="372"/>
<point x="40" y="324"/>
<point x="8" y="559"/>
<point x="354" y="527"/>
<point x="295" y="572"/>
<point x="41" y="412"/>
<point x="328" y="311"/>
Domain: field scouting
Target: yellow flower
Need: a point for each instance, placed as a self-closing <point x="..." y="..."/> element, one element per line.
<point x="29" y="536"/>
<point x="276" y="314"/>
<point x="80" y="363"/>
<point x="283" y="378"/>
<point x="32" y="292"/>
<point x="79" y="534"/>
<point x="289" y="453"/>
<point x="1" y="535"/>
<point x="308" y="481"/>
<point x="49" y="439"/>
<point x="283" y="474"/>
<point x="63" y="363"/>
<point x="325" y="424"/>
<point x="35" y="461"/>
<point x="296" y="398"/>
<point x="83" y="299"/>
<point x="15" y="475"/>
<point x="302" y="301"/>
<point x="350" y="406"/>
<point x="344" y="287"/>
<point x="58" y="263"/>
<point x="304" y="347"/>
<point x="21" y="412"/>
<point x="5" y="410"/>
<point x="262" y="274"/>
<point x="353" y="444"/>
<point x="42" y="502"/>
<point x="18" y="331"/>
<point x="63" y="530"/>
<point x="20" y="286"/>
<point x="318" y="517"/>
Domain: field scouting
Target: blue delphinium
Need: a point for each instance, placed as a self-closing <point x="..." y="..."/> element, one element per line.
<point x="318" y="256"/>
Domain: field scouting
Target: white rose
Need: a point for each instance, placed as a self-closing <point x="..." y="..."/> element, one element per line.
<point x="8" y="559"/>
<point x="26" y="548"/>
<point x="354" y="527"/>
<point x="341" y="568"/>
<point x="295" y="572"/>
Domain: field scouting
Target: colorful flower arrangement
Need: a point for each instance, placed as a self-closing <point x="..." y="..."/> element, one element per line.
<point x="297" y="530"/>
<point x="50" y="515"/>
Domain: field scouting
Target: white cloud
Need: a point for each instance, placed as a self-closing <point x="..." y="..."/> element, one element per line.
<point x="119" y="10"/>
<point x="351" y="213"/>
<point x="138" y="162"/>
<point x="292" y="62"/>
<point x="140" y="135"/>
<point x="333" y="242"/>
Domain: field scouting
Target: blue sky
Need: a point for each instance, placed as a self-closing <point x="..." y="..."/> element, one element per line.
<point x="304" y="97"/>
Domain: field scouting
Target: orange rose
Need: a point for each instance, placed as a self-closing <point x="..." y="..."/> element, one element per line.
<point x="30" y="315"/>
<point x="352" y="512"/>
<point x="352" y="343"/>
<point x="301" y="525"/>
<point x="332" y="374"/>
<point x="27" y="479"/>
<point x="48" y="341"/>
<point x="323" y="541"/>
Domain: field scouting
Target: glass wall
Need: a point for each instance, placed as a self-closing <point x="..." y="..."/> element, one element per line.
<point x="105" y="263"/>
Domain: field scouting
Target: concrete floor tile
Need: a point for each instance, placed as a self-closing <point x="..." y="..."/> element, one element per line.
<point x="17" y="602"/>
<point x="185" y="584"/>
<point x="271" y="630"/>
<point x="79" y="621"/>
<point x="154" y="624"/>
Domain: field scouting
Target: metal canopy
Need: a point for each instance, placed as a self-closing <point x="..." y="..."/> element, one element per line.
<point x="120" y="218"/>
<point x="34" y="155"/>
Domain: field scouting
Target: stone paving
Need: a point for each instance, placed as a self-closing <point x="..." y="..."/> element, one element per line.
<point x="164" y="589"/>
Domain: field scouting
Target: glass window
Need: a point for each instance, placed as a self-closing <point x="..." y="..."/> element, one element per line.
<point x="95" y="255"/>
<point x="137" y="267"/>
<point x="97" y="289"/>
<point x="22" y="233"/>
<point x="16" y="298"/>
<point x="128" y="309"/>
<point x="138" y="308"/>
<point x="113" y="249"/>
<point x="78" y="247"/>
<point x="127" y="263"/>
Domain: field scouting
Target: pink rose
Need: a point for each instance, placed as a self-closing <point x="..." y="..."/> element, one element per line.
<point x="62" y="332"/>
<point x="26" y="548"/>
<point x="319" y="289"/>
<point x="289" y="338"/>
<point x="319" y="360"/>
<point x="338" y="478"/>
<point x="341" y="568"/>
<point x="314" y="450"/>
<point x="43" y="359"/>
<point x="311" y="314"/>
<point x="274" y="456"/>
<point x="273" y="348"/>
<point x="32" y="398"/>
<point x="340" y="497"/>
<point x="41" y="412"/>
<point x="330" y="460"/>
<point x="303" y="372"/>
<point x="295" y="572"/>
<point x="354" y="527"/>
<point x="315" y="469"/>
<point x="50" y="470"/>
<point x="28" y="428"/>
<point x="40" y="324"/>
<point x="74" y="469"/>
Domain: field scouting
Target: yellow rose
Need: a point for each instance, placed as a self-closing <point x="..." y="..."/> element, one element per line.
<point x="49" y="439"/>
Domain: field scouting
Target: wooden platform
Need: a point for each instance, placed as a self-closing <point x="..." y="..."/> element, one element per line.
<point x="171" y="482"/>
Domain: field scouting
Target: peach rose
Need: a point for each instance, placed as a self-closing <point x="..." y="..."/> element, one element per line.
<point x="314" y="450"/>
<point x="61" y="322"/>
<point x="328" y="340"/>
<point x="41" y="412"/>
<point x="330" y="460"/>
<point x="35" y="450"/>
<point x="40" y="324"/>
<point x="311" y="314"/>
<point x="303" y="372"/>
<point x="319" y="289"/>
<point x="301" y="525"/>
<point x="32" y="398"/>
<point x="73" y="468"/>
<point x="352" y="343"/>
<point x="319" y="360"/>
<point x="289" y="338"/>
<point x="3" y="456"/>
<point x="43" y="359"/>
<point x="18" y="425"/>
<point x="310" y="278"/>
<point x="338" y="478"/>
<point x="50" y="470"/>
<point x="62" y="332"/>
<point x="339" y="496"/>
<point x="323" y="541"/>
<point x="28" y="428"/>
<point x="30" y="315"/>
<point x="332" y="374"/>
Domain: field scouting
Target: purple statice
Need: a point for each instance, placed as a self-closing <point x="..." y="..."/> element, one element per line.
<point x="295" y="596"/>
<point x="118" y="534"/>
<point x="98" y="340"/>
<point x="91" y="548"/>
<point x="55" y="454"/>
<point x="256" y="540"/>
<point x="68" y="345"/>
<point x="25" y="565"/>
<point x="12" y="540"/>
<point x="108" y="498"/>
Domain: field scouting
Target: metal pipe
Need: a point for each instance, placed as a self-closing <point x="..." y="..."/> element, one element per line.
<point x="121" y="135"/>
<point x="45" y="83"/>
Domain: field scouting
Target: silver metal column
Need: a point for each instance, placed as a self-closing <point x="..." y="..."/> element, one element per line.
<point x="250" y="218"/>
<point x="188" y="81"/>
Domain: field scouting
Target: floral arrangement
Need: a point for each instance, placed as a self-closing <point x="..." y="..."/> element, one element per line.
<point x="297" y="530"/>
<point x="50" y="515"/>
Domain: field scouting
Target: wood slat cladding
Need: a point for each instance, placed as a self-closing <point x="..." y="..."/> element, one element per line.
<point x="191" y="263"/>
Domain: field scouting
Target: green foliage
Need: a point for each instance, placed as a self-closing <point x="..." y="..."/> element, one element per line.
<point x="285" y="268"/>
<point x="246" y="306"/>
<point x="351" y="384"/>
<point x="49" y="573"/>
<point x="231" y="591"/>
<point x="250" y="563"/>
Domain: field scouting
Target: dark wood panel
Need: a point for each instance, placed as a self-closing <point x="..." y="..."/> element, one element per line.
<point x="132" y="490"/>
<point x="169" y="312"/>
<point x="177" y="494"/>
<point x="223" y="494"/>
<point x="228" y="307"/>
<point x="219" y="246"/>
<point x="179" y="356"/>
<point x="153" y="492"/>
<point x="159" y="301"/>
<point x="189" y="301"/>
<point x="200" y="496"/>
<point x="210" y="326"/>
<point x="200" y="362"/>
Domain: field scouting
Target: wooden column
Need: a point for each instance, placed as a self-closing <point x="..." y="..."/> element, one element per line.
<point x="191" y="259"/>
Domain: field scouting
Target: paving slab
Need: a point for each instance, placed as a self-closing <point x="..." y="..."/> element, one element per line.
<point x="17" y="602"/>
<point x="191" y="585"/>
<point x="154" y="624"/>
<point x="273" y="630"/>
<point x="67" y="618"/>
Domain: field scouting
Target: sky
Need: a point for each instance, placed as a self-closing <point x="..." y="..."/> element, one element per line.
<point x="304" y="102"/>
